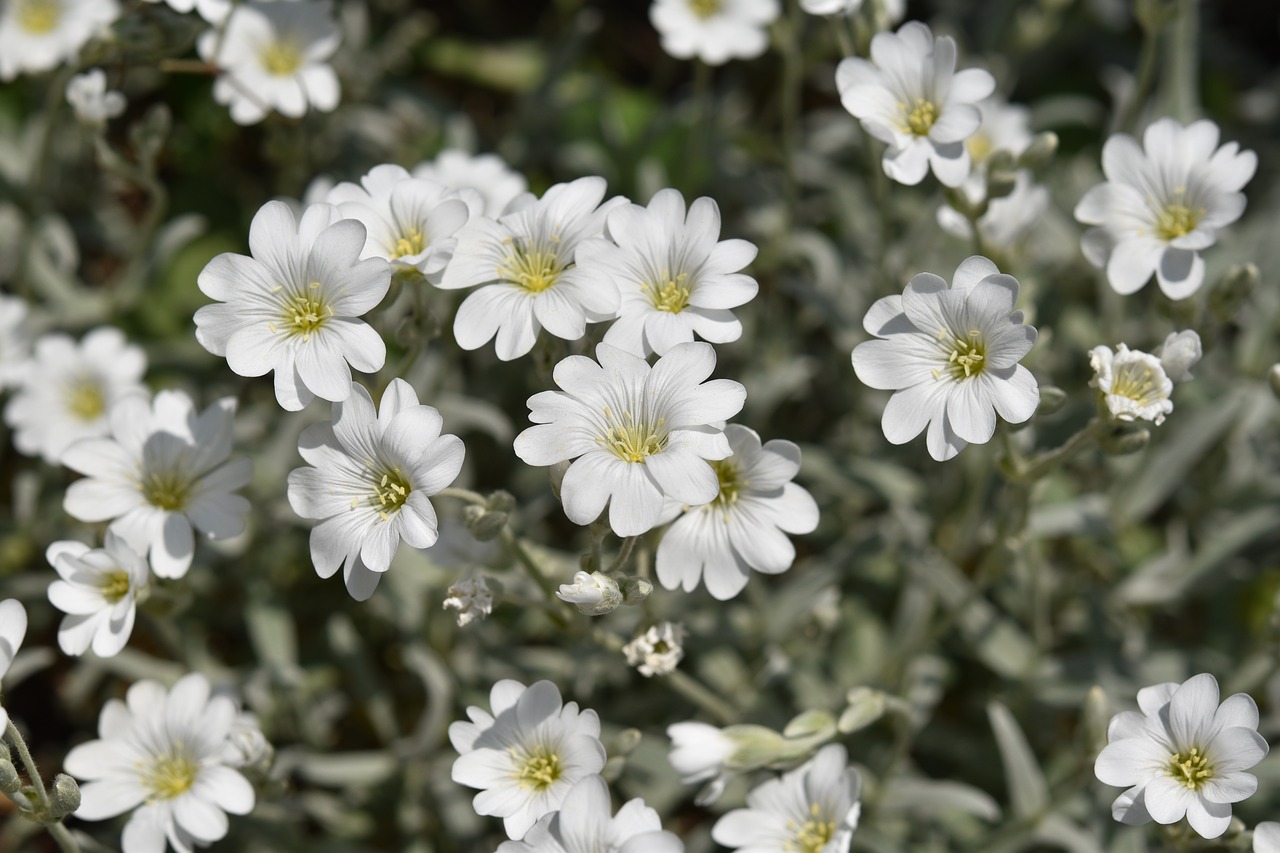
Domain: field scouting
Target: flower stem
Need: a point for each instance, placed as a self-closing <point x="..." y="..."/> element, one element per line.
<point x="699" y="694"/>
<point x="624" y="554"/>
<point x="1038" y="466"/>
<point x="1181" y="62"/>
<point x="526" y="561"/>
<point x="462" y="495"/>
<point x="33" y="772"/>
<point x="1144" y="80"/>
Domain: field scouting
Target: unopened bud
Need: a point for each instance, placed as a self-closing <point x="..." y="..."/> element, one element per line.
<point x="556" y="472"/>
<point x="10" y="781"/>
<point x="1179" y="353"/>
<point x="1040" y="152"/>
<point x="1096" y="717"/>
<point x="1000" y="183"/>
<point x="626" y="741"/>
<point x="64" y="796"/>
<point x="865" y="707"/>
<point x="1125" y="441"/>
<point x="1052" y="399"/>
<point x="754" y="746"/>
<point x="1232" y="290"/>
<point x="635" y="590"/>
<point x="483" y="524"/>
<point x="594" y="594"/>
<point x="819" y="725"/>
<point x="1273" y="376"/>
<point x="501" y="501"/>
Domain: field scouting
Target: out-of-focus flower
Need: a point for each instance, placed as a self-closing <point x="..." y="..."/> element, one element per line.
<point x="658" y="650"/>
<point x="37" y="35"/>
<point x="910" y="97"/>
<point x="1007" y="219"/>
<point x="13" y="630"/>
<point x="527" y="755"/>
<point x="274" y="55"/>
<point x="637" y="434"/>
<point x="700" y="752"/>
<point x="213" y="11"/>
<point x="1266" y="837"/>
<point x="472" y="598"/>
<point x="744" y="527"/>
<point x="714" y="31"/>
<point x="99" y="590"/>
<point x="885" y="12"/>
<point x="674" y="275"/>
<point x="410" y="221"/>
<point x="950" y="355"/>
<point x="1133" y="384"/>
<point x="164" y="470"/>
<point x="525" y="266"/>
<point x="67" y="390"/>
<point x="483" y="180"/>
<point x="814" y="808"/>
<point x="583" y="825"/>
<point x="1162" y="203"/>
<point x="1182" y="755"/>
<point x="1179" y="353"/>
<point x="93" y="103"/>
<point x="15" y="341"/>
<point x="373" y="473"/>
<point x="160" y="755"/>
<point x="294" y="306"/>
<point x="246" y="746"/>
<point x="594" y="594"/>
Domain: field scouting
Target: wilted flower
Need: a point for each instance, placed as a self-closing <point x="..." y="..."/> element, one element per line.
<point x="583" y="825"/>
<point x="373" y="472"/>
<point x="910" y="97"/>
<point x="93" y="103"/>
<point x="950" y="355"/>
<point x="527" y="755"/>
<point x="37" y="35"/>
<point x="658" y="650"/>
<point x="714" y="31"/>
<point x="472" y="598"/>
<point x="1182" y="755"/>
<point x="1133" y="384"/>
<point x="161" y="755"/>
<point x="593" y="594"/>
<point x="637" y="434"/>
<point x="1179" y="353"/>
<point x="274" y="55"/>
<point x="1162" y="203"/>
<point x="99" y="590"/>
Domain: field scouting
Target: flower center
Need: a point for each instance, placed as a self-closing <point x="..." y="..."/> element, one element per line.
<point x="919" y="119"/>
<point x="539" y="769"/>
<point x="534" y="271"/>
<point x="85" y="401"/>
<point x="167" y="490"/>
<point x="705" y="8"/>
<point x="813" y="835"/>
<point x="281" y="58"/>
<point x="979" y="145"/>
<point x="632" y="440"/>
<point x="1190" y="768"/>
<point x="115" y="586"/>
<point x="1177" y="220"/>
<point x="410" y="243"/>
<point x="966" y="356"/>
<point x="1136" y="381"/>
<point x="389" y="493"/>
<point x="303" y="313"/>
<point x="672" y="295"/>
<point x="170" y="776"/>
<point x="38" y="17"/>
<point x="731" y="483"/>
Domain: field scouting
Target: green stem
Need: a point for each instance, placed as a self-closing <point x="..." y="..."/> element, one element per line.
<point x="1143" y="82"/>
<point x="66" y="841"/>
<point x="700" y="695"/>
<point x="1181" y="64"/>
<point x="463" y="495"/>
<point x="1042" y="464"/>
<point x="624" y="554"/>
<point x="33" y="772"/>
<point x="526" y="561"/>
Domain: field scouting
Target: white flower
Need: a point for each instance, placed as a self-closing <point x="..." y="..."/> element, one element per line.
<point x="674" y="275"/>
<point x="98" y="589"/>
<point x="525" y="265"/>
<point x="410" y="221"/>
<point x="700" y="752"/>
<point x="13" y="630"/>
<point x="950" y="355"/>
<point x="593" y="594"/>
<point x="1182" y="755"/>
<point x="885" y="12"/>
<point x="658" y="650"/>
<point x="373" y="472"/>
<point x="1162" y="203"/>
<point x="213" y="11"/>
<point x="813" y="809"/>
<point x="484" y="180"/>
<point x="274" y="55"/>
<point x="1266" y="837"/>
<point x="743" y="527"/>
<point x="93" y="103"/>
<point x="1179" y="353"/>
<point x="527" y="754"/>
<point x="68" y="390"/>
<point x="472" y="598"/>
<point x="15" y="340"/>
<point x="831" y="7"/>
<point x="911" y="97"/>
<point x="160" y="755"/>
<point x="1007" y="219"/>
<point x="714" y="31"/>
<point x="1133" y="384"/>
<point x="637" y="434"/>
<point x="163" y="470"/>
<point x="37" y="35"/>
<point x="583" y="825"/>
<point x="294" y="306"/>
<point x="246" y="746"/>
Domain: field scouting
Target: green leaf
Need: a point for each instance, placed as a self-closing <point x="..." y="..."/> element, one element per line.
<point x="1028" y="790"/>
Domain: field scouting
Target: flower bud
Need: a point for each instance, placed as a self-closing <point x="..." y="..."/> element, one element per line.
<point x="1273" y="376"/>
<point x="594" y="594"/>
<point x="815" y="724"/>
<point x="472" y="598"/>
<point x="10" y="781"/>
<point x="865" y="707"/>
<point x="1040" y="152"/>
<point x="483" y="524"/>
<point x="1233" y="289"/>
<point x="64" y="796"/>
<point x="1052" y="399"/>
<point x="1124" y="441"/>
<point x="1179" y="353"/>
<point x="635" y="590"/>
<point x="501" y="501"/>
<point x="1096" y="716"/>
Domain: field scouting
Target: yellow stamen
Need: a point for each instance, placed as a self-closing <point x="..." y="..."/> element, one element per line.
<point x="410" y="243"/>
<point x="732" y="483"/>
<point x="115" y="586"/>
<point x="672" y="295"/>
<point x="39" y="17"/>
<point x="389" y="494"/>
<point x="167" y="490"/>
<point x="918" y="119"/>
<point x="281" y="58"/>
<point x="705" y="8"/>
<point x="537" y="769"/>
<point x="1190" y="768"/>
<point x="534" y="270"/>
<point x="632" y="440"/>
<point x="812" y="835"/>
<point x="303" y="313"/>
<point x="171" y="776"/>
<point x="85" y="401"/>
<point x="966" y="356"/>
